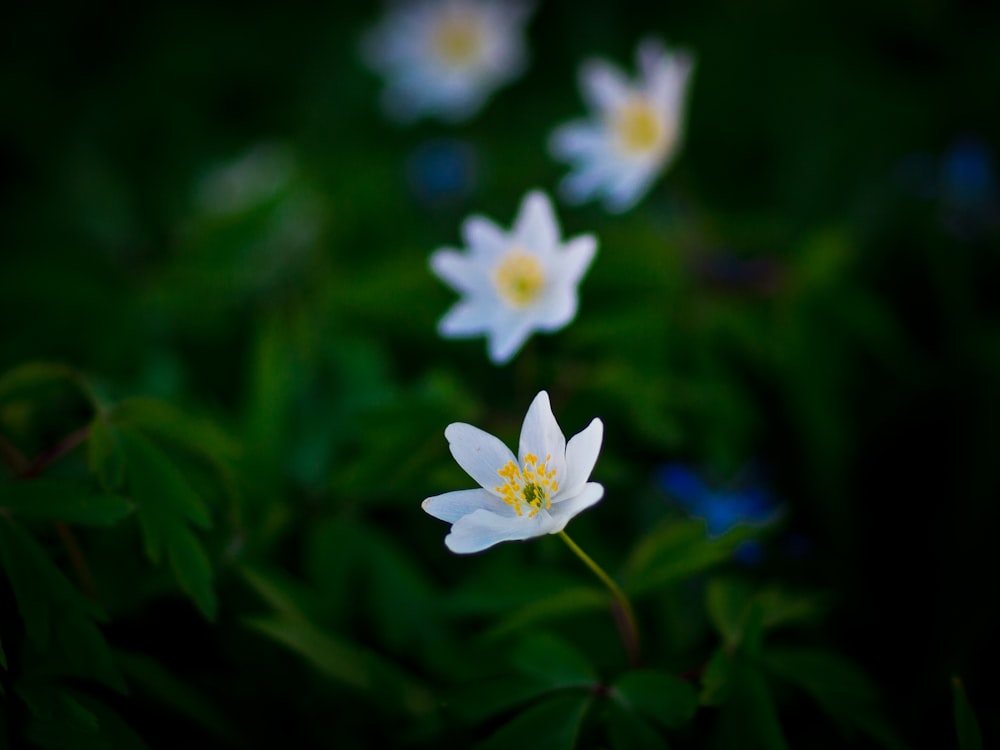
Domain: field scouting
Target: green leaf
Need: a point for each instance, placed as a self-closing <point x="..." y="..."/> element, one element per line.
<point x="550" y="725"/>
<point x="966" y="726"/>
<point x="277" y="590"/>
<point x="192" y="568"/>
<point x="677" y="551"/>
<point x="34" y="375"/>
<point x="780" y="607"/>
<point x="157" y="485"/>
<point x="750" y="714"/>
<point x="59" y="735"/>
<point x="629" y="731"/>
<point x="338" y="660"/>
<point x="553" y="661"/>
<point x="478" y="701"/>
<point x="62" y="500"/>
<point x="839" y="687"/>
<point x="113" y="729"/>
<point x="51" y="606"/>
<point x="747" y="717"/>
<point x="164" y="421"/>
<point x="178" y="697"/>
<point x="659" y="696"/>
<point x="728" y="604"/>
<point x="87" y="653"/>
<point x="347" y="663"/>
<point x="24" y="566"/>
<point x="104" y="454"/>
<point x="51" y="703"/>
<point x="836" y="684"/>
<point x="717" y="678"/>
<point x="572" y="601"/>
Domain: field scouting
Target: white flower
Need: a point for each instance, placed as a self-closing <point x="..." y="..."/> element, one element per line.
<point x="445" y="57"/>
<point x="634" y="134"/>
<point x="534" y="493"/>
<point x="513" y="283"/>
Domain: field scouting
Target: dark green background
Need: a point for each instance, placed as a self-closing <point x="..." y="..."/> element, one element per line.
<point x="864" y="380"/>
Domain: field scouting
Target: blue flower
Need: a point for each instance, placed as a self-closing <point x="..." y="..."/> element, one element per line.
<point x="722" y="509"/>
<point x="442" y="171"/>
<point x="964" y="183"/>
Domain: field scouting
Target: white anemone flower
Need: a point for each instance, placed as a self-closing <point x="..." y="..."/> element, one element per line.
<point x="635" y="130"/>
<point x="444" y="58"/>
<point x="516" y="282"/>
<point x="520" y="497"/>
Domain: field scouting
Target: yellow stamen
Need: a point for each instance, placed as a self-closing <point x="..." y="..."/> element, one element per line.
<point x="639" y="128"/>
<point x="519" y="278"/>
<point x="457" y="39"/>
<point x="532" y="484"/>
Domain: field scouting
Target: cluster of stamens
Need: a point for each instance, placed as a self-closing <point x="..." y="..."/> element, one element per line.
<point x="533" y="485"/>
<point x="519" y="278"/>
<point x="457" y="39"/>
<point x="638" y="126"/>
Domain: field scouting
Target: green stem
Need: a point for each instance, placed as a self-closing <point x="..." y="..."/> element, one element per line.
<point x="624" y="616"/>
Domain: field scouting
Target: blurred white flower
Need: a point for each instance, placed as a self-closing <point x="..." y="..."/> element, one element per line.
<point x="513" y="283"/>
<point x="444" y="58"/>
<point x="247" y="182"/>
<point x="534" y="493"/>
<point x="635" y="130"/>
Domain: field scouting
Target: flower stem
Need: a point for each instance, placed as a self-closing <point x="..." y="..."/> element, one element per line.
<point x="624" y="616"/>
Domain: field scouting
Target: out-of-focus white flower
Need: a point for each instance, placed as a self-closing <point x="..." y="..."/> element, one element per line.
<point x="635" y="130"/>
<point x="444" y="58"/>
<point x="513" y="283"/>
<point x="247" y="182"/>
<point x="534" y="493"/>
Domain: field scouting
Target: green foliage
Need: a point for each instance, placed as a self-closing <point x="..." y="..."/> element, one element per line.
<point x="223" y="390"/>
<point x="658" y="696"/>
<point x="57" y="618"/>
<point x="551" y="723"/>
<point x="678" y="550"/>
<point x="167" y="506"/>
<point x="347" y="663"/>
<point x="970" y="737"/>
<point x="62" y="500"/>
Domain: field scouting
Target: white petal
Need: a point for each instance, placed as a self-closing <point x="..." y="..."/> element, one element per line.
<point x="630" y="187"/>
<point x="603" y="85"/>
<point x="652" y="57"/>
<point x="581" y="455"/>
<point x="508" y="336"/>
<point x="589" y="180"/>
<point x="478" y="452"/>
<point x="484" y="238"/>
<point x="540" y="435"/>
<point x="481" y="529"/>
<point x="454" y="505"/>
<point x="536" y="227"/>
<point x="466" y="318"/>
<point x="557" y="309"/>
<point x="457" y="269"/>
<point x="563" y="512"/>
<point x="576" y="140"/>
<point x="668" y="83"/>
<point x="576" y="258"/>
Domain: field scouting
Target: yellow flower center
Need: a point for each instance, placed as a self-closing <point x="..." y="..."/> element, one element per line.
<point x="519" y="278"/>
<point x="638" y="127"/>
<point x="457" y="39"/>
<point x="531" y="485"/>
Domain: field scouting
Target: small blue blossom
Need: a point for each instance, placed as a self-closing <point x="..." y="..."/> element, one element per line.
<point x="722" y="509"/>
<point x="964" y="183"/>
<point x="968" y="177"/>
<point x="442" y="171"/>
